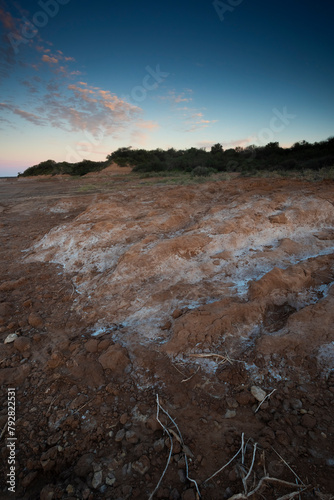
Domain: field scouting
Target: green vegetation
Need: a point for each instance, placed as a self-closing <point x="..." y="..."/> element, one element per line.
<point x="251" y="160"/>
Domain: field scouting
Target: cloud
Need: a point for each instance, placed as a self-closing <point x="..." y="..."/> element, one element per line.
<point x="147" y="125"/>
<point x="199" y="124"/>
<point x="48" y="59"/>
<point x="30" y="117"/>
<point x="177" y="98"/>
<point x="33" y="88"/>
<point x="7" y="20"/>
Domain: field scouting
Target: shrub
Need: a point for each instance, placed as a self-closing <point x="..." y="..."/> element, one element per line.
<point x="202" y="171"/>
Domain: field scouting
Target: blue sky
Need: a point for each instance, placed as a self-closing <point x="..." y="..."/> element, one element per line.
<point x="78" y="79"/>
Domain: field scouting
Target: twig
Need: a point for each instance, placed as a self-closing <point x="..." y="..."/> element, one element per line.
<point x="83" y="406"/>
<point x="189" y="478"/>
<point x="244" y="481"/>
<point x="191" y="376"/>
<point x="54" y="399"/>
<point x="242" y="448"/>
<point x="183" y="375"/>
<point x="268" y="396"/>
<point x="224" y="466"/>
<point x="273" y="480"/>
<point x="289" y="496"/>
<point x="179" y="438"/>
<point x="170" y="451"/>
<point x="286" y="463"/>
<point x="213" y="355"/>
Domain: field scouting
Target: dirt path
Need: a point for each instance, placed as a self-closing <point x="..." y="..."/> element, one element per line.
<point x="210" y="296"/>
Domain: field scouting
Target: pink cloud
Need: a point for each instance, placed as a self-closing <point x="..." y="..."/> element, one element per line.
<point x="48" y="59"/>
<point x="148" y="125"/>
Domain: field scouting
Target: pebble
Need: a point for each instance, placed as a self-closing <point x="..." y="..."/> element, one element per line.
<point x="142" y="465"/>
<point x="97" y="480"/>
<point x="131" y="437"/>
<point x="159" y="445"/>
<point x="120" y="436"/>
<point x="230" y="414"/>
<point x="308" y="421"/>
<point x="11" y="338"/>
<point x="258" y="393"/>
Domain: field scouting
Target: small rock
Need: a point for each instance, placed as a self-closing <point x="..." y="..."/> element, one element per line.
<point x="11" y="338"/>
<point x="159" y="445"/>
<point x="115" y="359"/>
<point x="120" y="436"/>
<point x="258" y="393"/>
<point x="22" y="344"/>
<point x="243" y="398"/>
<point x="91" y="345"/>
<point x="296" y="404"/>
<point x="48" y="493"/>
<point x="70" y="489"/>
<point x="182" y="476"/>
<point x="131" y="437"/>
<point x="188" y="495"/>
<point x="174" y="495"/>
<point x="110" y="479"/>
<point x="153" y="424"/>
<point x="124" y="418"/>
<point x="142" y="465"/>
<point x="166" y="326"/>
<point x="28" y="479"/>
<point x="308" y="421"/>
<point x="97" y="480"/>
<point x="84" y="465"/>
<point x="177" y="313"/>
<point x="231" y="403"/>
<point x="230" y="414"/>
<point x="35" y="320"/>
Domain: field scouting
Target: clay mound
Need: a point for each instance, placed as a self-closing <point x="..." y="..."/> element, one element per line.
<point x="223" y="258"/>
<point x="111" y="170"/>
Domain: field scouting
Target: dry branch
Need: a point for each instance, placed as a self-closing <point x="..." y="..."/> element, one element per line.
<point x="268" y="396"/>
<point x="288" y="466"/>
<point x="170" y="451"/>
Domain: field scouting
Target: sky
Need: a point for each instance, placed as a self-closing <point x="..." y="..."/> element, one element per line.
<point x="79" y="79"/>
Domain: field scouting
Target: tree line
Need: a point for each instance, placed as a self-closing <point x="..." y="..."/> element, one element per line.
<point x="300" y="156"/>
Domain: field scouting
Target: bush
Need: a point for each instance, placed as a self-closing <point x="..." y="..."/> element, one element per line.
<point x="202" y="171"/>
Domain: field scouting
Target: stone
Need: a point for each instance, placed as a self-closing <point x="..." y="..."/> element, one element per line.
<point x="189" y="495"/>
<point x="115" y="359"/>
<point x="258" y="393"/>
<point x="142" y="465"/>
<point x="131" y="437"/>
<point x="23" y="345"/>
<point x="11" y="338"/>
<point x="29" y="478"/>
<point x="48" y="459"/>
<point x="91" y="345"/>
<point x="97" y="480"/>
<point x="84" y="465"/>
<point x="243" y="398"/>
<point x="177" y="313"/>
<point x="110" y="479"/>
<point x="278" y="219"/>
<point x="35" y="320"/>
<point x="230" y="414"/>
<point x="48" y="493"/>
<point x="308" y="421"/>
<point x="120" y="436"/>
<point x="159" y="445"/>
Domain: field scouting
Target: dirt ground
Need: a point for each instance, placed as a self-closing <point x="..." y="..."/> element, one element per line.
<point x="214" y="300"/>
